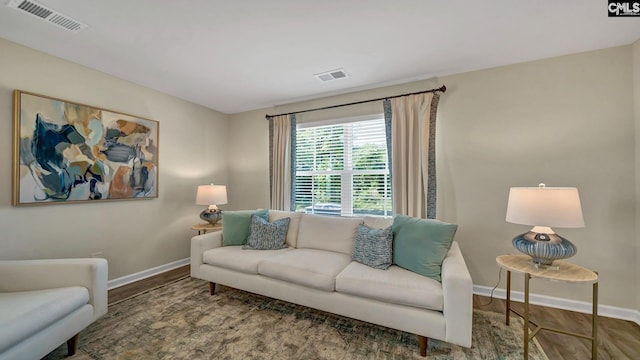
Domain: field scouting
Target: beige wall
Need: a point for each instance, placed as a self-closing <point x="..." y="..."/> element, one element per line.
<point x="566" y="121"/>
<point x="248" y="186"/>
<point x="133" y="235"/>
<point x="636" y="103"/>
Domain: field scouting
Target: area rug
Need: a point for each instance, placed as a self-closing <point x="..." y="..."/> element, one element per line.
<point x="181" y="320"/>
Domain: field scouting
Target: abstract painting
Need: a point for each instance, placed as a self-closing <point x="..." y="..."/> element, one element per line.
<point x="66" y="152"/>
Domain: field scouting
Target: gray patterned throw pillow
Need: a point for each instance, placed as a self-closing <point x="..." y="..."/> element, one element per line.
<point x="373" y="247"/>
<point x="265" y="235"/>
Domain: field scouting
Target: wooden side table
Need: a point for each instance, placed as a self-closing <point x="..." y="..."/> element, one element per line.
<point x="203" y="228"/>
<point x="566" y="272"/>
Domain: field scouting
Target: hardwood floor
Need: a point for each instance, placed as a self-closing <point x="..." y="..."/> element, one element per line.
<point x="617" y="339"/>
<point x="123" y="292"/>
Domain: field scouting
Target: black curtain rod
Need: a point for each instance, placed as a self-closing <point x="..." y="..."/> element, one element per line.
<point x="442" y="88"/>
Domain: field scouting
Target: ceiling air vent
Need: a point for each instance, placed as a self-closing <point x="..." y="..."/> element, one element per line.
<point x="47" y="14"/>
<point x="331" y="75"/>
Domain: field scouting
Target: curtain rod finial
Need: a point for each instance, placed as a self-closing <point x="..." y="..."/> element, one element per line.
<point x="443" y="88"/>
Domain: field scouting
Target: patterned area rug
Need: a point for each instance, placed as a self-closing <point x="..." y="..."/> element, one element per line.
<point x="182" y="321"/>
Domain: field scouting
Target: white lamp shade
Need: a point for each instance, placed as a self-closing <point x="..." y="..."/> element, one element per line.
<point x="545" y="206"/>
<point x="211" y="195"/>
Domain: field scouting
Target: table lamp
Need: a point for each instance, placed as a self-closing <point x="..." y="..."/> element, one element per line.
<point x="544" y="207"/>
<point x="211" y="195"/>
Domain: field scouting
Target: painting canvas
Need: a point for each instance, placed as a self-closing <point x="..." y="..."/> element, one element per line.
<point x="66" y="152"/>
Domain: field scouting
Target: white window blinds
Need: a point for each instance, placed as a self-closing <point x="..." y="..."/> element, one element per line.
<point x="342" y="169"/>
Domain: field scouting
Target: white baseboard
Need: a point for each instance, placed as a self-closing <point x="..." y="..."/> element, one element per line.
<point x="128" y="279"/>
<point x="560" y="303"/>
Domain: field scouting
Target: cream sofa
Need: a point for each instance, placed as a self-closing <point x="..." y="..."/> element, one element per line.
<point x="316" y="271"/>
<point x="44" y="303"/>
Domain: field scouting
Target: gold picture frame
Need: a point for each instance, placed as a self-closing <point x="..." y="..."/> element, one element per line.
<point x="66" y="152"/>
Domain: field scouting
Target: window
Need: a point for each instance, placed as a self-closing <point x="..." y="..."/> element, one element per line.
<point x="342" y="168"/>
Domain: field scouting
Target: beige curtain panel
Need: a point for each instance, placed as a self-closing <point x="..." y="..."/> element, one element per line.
<point x="280" y="129"/>
<point x="411" y="124"/>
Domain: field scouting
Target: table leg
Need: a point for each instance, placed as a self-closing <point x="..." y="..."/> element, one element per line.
<point x="594" y="320"/>
<point x="526" y="315"/>
<point x="508" y="296"/>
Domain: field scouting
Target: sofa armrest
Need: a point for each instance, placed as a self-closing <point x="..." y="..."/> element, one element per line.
<point x="26" y="275"/>
<point x="200" y="244"/>
<point x="457" y="288"/>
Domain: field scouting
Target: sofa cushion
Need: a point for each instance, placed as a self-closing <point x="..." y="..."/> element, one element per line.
<point x="294" y="224"/>
<point x="420" y="245"/>
<point x="378" y="222"/>
<point x="265" y="235"/>
<point x="236" y="228"/>
<point x="238" y="259"/>
<point x="394" y="285"/>
<point x="307" y="267"/>
<point x="373" y="247"/>
<point x="328" y="233"/>
<point x="25" y="313"/>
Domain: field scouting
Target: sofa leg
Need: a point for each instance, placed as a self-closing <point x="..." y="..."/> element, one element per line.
<point x="212" y="288"/>
<point x="72" y="345"/>
<point x="423" y="345"/>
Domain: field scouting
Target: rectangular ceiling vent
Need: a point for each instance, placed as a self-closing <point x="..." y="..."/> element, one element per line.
<point x="331" y="75"/>
<point x="47" y="14"/>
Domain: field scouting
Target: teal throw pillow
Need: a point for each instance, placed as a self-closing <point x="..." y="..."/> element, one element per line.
<point x="236" y="225"/>
<point x="373" y="247"/>
<point x="420" y="245"/>
<point x="265" y="235"/>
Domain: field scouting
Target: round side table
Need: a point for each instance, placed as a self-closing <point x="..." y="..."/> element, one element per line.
<point x="203" y="228"/>
<point x="562" y="271"/>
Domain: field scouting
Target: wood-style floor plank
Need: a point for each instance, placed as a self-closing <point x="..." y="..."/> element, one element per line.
<point x="617" y="339"/>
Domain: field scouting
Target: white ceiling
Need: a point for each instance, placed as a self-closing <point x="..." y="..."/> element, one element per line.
<point x="234" y="56"/>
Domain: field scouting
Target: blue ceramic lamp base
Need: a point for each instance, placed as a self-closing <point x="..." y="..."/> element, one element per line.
<point x="544" y="248"/>
<point x="212" y="216"/>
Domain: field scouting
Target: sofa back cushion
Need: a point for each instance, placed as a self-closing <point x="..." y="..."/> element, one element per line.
<point x="378" y="222"/>
<point x="294" y="224"/>
<point x="328" y="233"/>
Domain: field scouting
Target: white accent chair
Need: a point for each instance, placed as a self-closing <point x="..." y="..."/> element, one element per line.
<point x="44" y="303"/>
